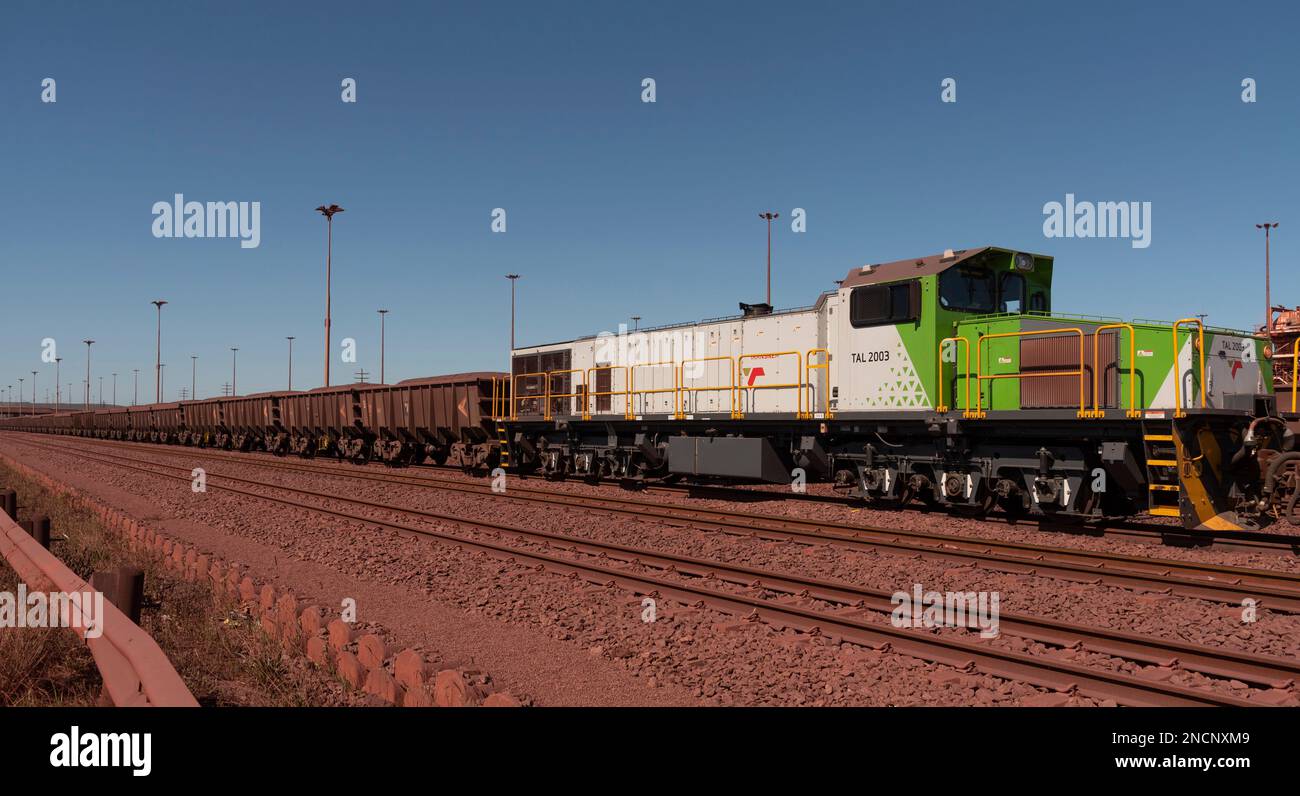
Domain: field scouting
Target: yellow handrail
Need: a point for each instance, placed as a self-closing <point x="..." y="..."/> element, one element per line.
<point x="550" y="375"/>
<point x="633" y="392"/>
<point x="516" y="398"/>
<point x="940" y="406"/>
<point x="627" y="398"/>
<point x="798" y="385"/>
<point x="1132" y="411"/>
<point x="809" y="367"/>
<point x="979" y="363"/>
<point x="682" y="388"/>
<point x="1295" y="370"/>
<point x="1178" y="374"/>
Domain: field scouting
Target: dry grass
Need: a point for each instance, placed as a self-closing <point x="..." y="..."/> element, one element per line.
<point x="222" y="655"/>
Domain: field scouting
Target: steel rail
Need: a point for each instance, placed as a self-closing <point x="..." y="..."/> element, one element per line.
<point x="1055" y="674"/>
<point x="1274" y="590"/>
<point x="1128" y="529"/>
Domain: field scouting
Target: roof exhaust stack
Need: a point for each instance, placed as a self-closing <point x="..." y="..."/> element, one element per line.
<point x="754" y="310"/>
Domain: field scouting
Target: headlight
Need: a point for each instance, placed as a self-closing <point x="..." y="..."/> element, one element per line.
<point x="1024" y="262"/>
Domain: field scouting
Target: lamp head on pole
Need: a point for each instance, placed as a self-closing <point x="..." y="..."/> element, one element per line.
<point x="329" y="211"/>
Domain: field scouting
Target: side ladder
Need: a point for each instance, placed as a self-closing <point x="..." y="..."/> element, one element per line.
<point x="1162" y="473"/>
<point x="504" y="441"/>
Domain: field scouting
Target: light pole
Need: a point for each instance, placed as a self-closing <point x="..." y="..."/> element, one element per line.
<point x="328" y="212"/>
<point x="135" y="398"/>
<point x="19" y="408"/>
<point x="57" y="360"/>
<point x="101" y="390"/>
<point x="382" y="313"/>
<point x="636" y="322"/>
<point x="161" y="366"/>
<point x="769" y="217"/>
<point x="33" y="392"/>
<point x="234" y="369"/>
<point x="290" y="339"/>
<point x="88" y="344"/>
<point x="513" y="278"/>
<point x="194" y="377"/>
<point x="114" y="389"/>
<point x="1268" y="301"/>
<point x="158" y="357"/>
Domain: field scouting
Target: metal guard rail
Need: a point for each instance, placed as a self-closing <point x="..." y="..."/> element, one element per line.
<point x="508" y="398"/>
<point x="1097" y="411"/>
<point x="134" y="668"/>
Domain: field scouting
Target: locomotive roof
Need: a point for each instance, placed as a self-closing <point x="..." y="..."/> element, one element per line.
<point x="876" y="273"/>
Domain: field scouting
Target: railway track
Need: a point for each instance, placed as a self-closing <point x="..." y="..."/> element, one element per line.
<point x="1125" y="530"/>
<point x="1278" y="591"/>
<point x="692" y="580"/>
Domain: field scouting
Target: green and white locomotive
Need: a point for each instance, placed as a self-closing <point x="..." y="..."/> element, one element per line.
<point x="945" y="379"/>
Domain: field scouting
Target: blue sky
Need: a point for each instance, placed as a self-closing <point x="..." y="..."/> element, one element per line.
<point x="615" y="207"/>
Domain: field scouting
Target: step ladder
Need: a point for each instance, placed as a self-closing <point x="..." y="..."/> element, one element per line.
<point x="504" y="439"/>
<point x="1162" y="473"/>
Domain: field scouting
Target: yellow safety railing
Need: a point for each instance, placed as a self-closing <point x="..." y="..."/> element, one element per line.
<point x="1132" y="410"/>
<point x="1178" y="373"/>
<point x="508" y="398"/>
<point x="684" y="391"/>
<point x="500" y="397"/>
<point x="578" y="391"/>
<point x="516" y="399"/>
<point x="797" y="385"/>
<point x="941" y="406"/>
<point x="591" y="396"/>
<point x="808" y="368"/>
<point x="979" y="363"/>
<point x="634" y="392"/>
<point x="1295" y="370"/>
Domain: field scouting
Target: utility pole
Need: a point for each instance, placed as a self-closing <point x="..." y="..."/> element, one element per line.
<point x="1268" y="300"/>
<point x="290" y="339"/>
<point x="114" y="389"/>
<point x="88" y="343"/>
<point x="328" y="212"/>
<point x="382" y="313"/>
<point x="158" y="358"/>
<point x="194" y="377"/>
<point x="513" y="278"/>
<point x="135" y="399"/>
<point x="234" y="369"/>
<point x="769" y="217"/>
<point x="57" y="360"/>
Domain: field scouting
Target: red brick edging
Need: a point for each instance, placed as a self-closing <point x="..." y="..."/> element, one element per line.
<point x="363" y="660"/>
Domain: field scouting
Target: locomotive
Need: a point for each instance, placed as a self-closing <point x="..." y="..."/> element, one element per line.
<point x="947" y="380"/>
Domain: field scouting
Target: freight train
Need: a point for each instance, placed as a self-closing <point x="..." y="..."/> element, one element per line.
<point x="442" y="420"/>
<point x="947" y="380"/>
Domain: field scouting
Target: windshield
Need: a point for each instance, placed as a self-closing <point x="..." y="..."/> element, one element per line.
<point x="967" y="290"/>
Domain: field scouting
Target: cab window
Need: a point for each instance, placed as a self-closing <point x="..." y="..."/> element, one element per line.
<point x="1012" y="293"/>
<point x="875" y="305"/>
<point x="967" y="290"/>
<point x="1038" y="302"/>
